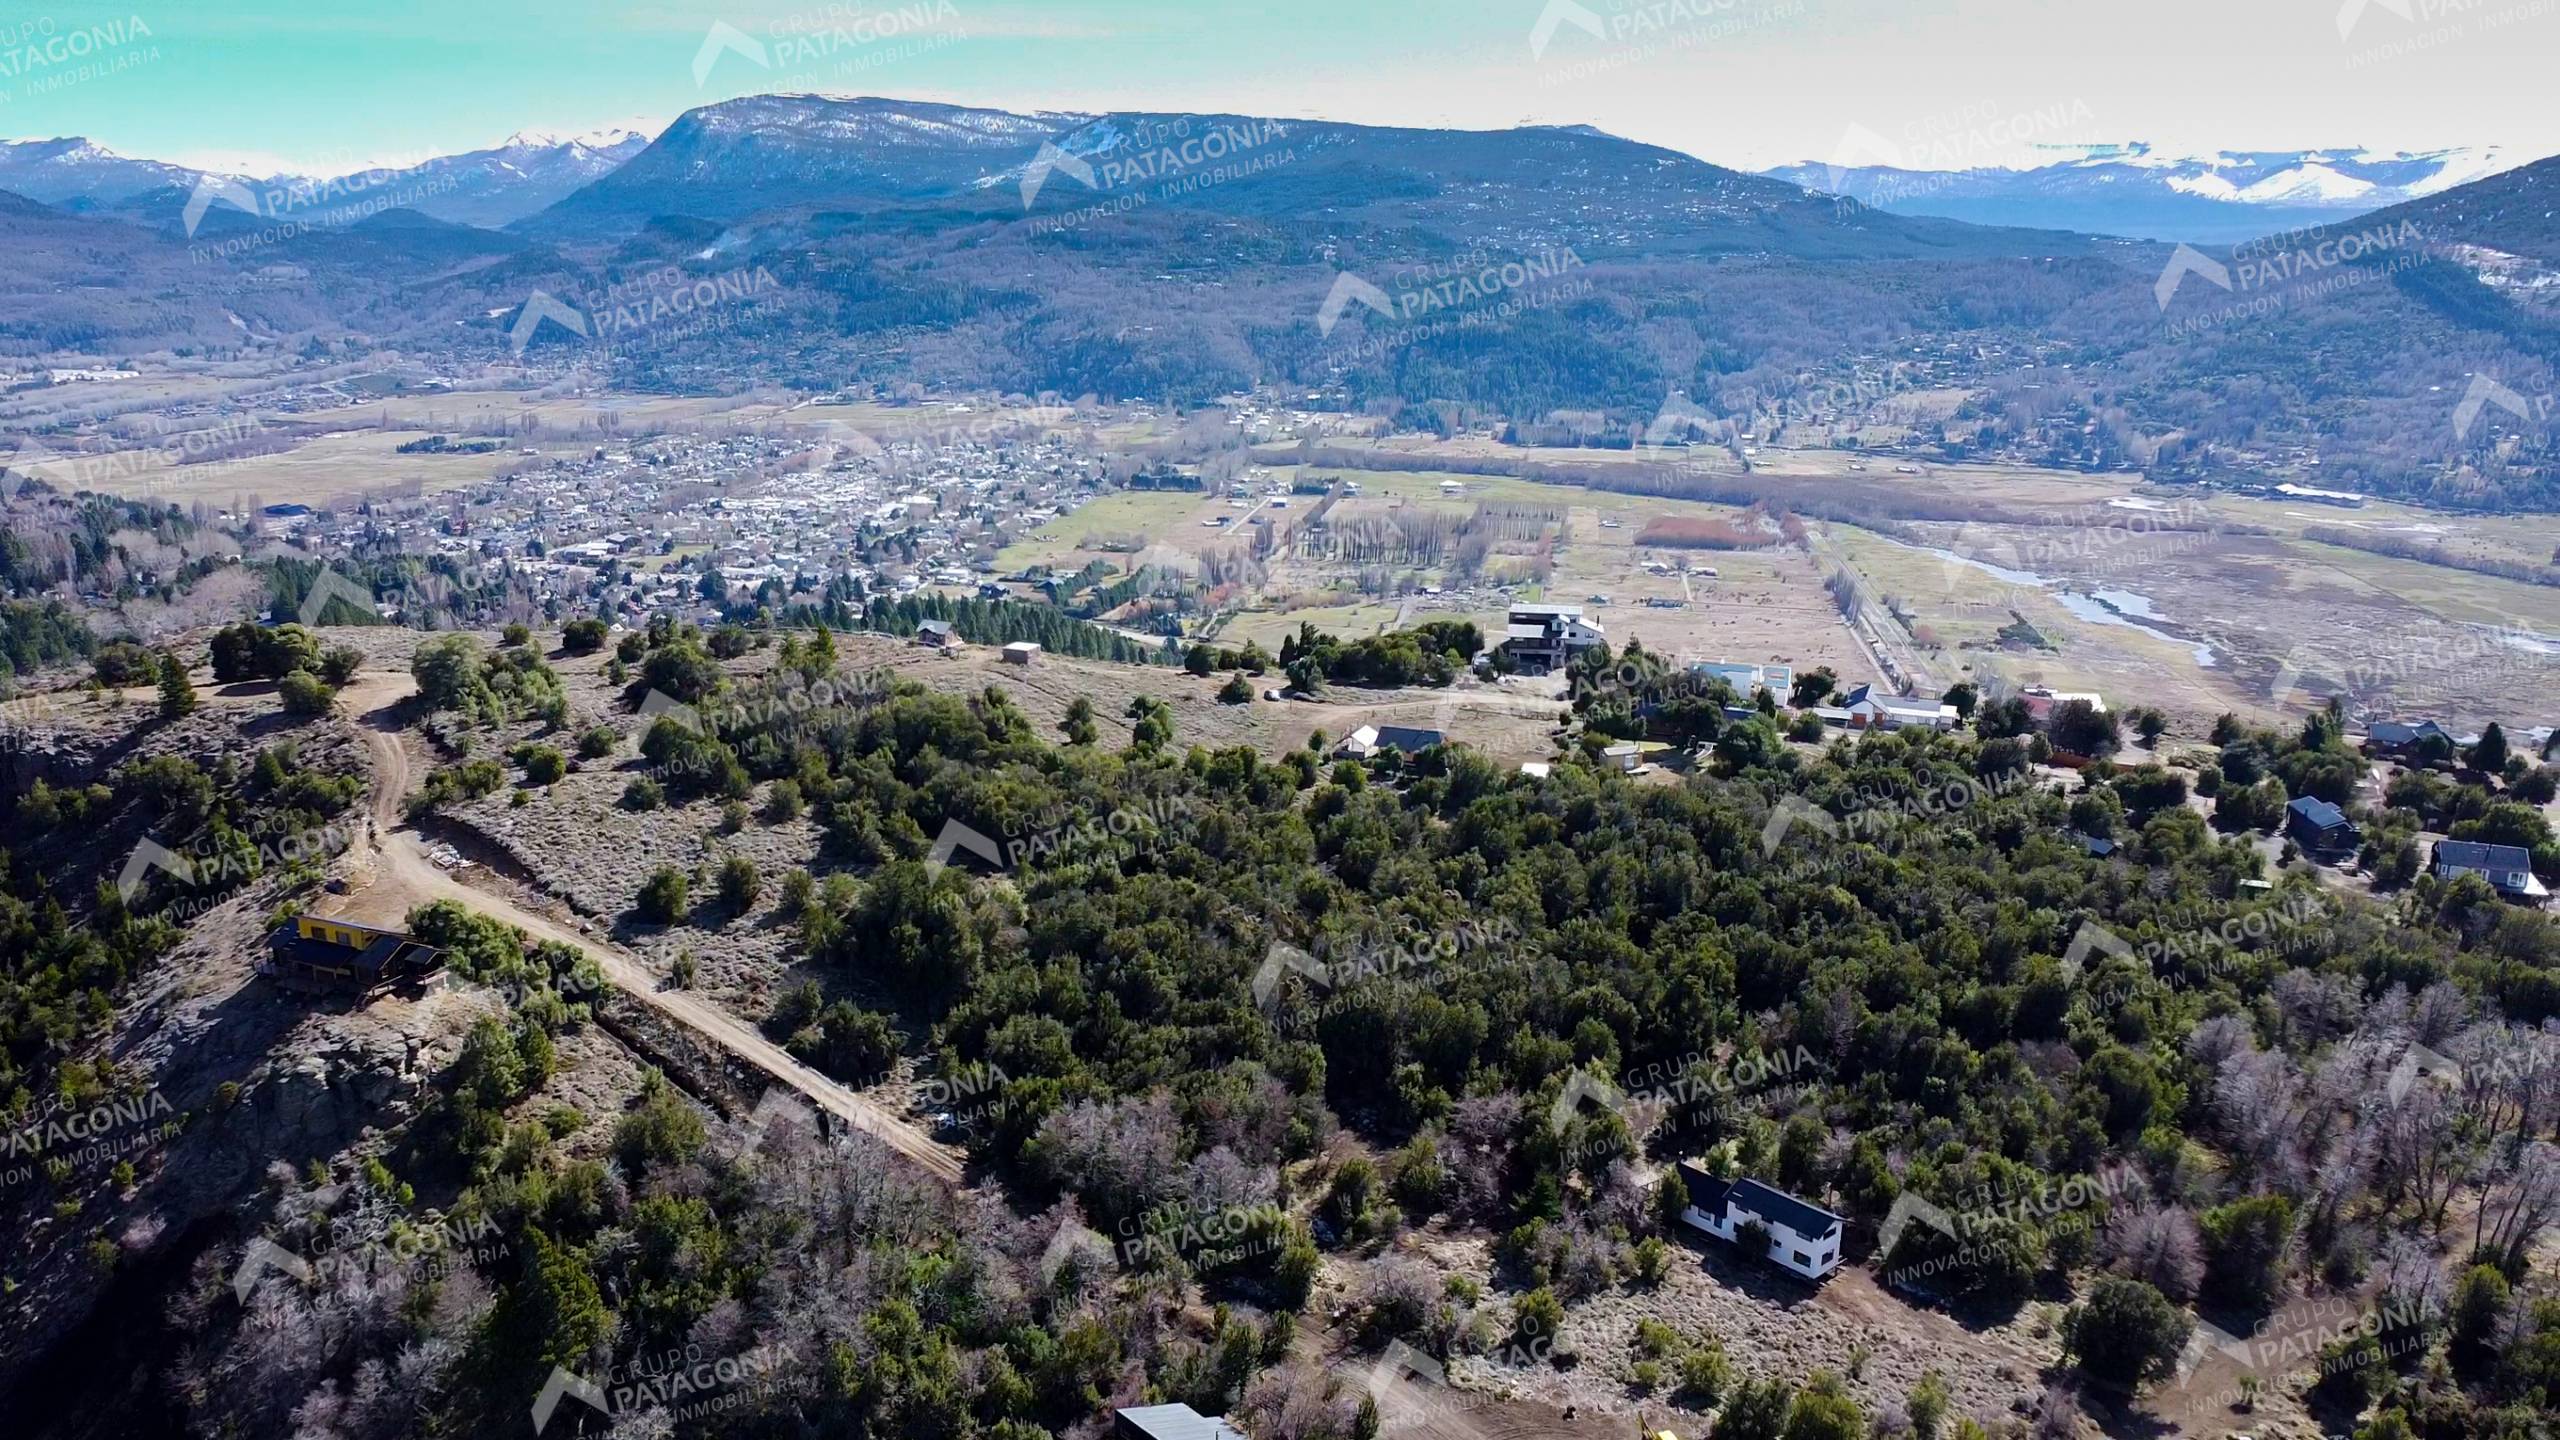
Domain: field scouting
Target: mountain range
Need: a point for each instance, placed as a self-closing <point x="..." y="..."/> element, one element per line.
<point x="2217" y="199"/>
<point x="1480" y="278"/>
<point x="523" y="174"/>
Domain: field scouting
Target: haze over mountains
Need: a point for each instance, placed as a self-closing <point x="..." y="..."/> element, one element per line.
<point x="1184" y="257"/>
<point x="2132" y="190"/>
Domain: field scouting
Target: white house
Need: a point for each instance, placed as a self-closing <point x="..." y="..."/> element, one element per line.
<point x="1872" y="709"/>
<point x="1021" y="652"/>
<point x="1360" y="744"/>
<point x="1803" y="1238"/>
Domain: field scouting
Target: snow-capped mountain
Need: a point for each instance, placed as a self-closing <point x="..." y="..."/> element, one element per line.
<point x="523" y="174"/>
<point x="76" y="174"/>
<point x="2134" y="190"/>
<point x="530" y="172"/>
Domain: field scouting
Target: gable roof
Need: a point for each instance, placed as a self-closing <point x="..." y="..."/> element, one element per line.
<point x="2319" y="812"/>
<point x="2395" y="732"/>
<point x="1173" y="1422"/>
<point x="1705" y="1190"/>
<point x="1808" y="1220"/>
<point x="2473" y="855"/>
<point x="1408" y="739"/>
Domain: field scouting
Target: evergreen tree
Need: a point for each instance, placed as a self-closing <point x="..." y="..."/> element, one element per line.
<point x="177" y="692"/>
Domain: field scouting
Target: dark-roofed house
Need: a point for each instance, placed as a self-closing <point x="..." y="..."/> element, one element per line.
<point x="2322" y="830"/>
<point x="315" y="953"/>
<point x="1170" y="1422"/>
<point x="2507" y="868"/>
<point x="1405" y="739"/>
<point x="2396" y="737"/>
<point x="1802" y="1237"/>
<point x="936" y="633"/>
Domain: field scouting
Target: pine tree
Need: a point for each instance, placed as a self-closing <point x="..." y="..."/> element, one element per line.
<point x="177" y="692"/>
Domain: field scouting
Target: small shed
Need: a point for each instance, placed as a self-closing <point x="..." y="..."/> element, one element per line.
<point x="1021" y="652"/>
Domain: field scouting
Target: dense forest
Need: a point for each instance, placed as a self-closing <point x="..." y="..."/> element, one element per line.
<point x="2213" y="1093"/>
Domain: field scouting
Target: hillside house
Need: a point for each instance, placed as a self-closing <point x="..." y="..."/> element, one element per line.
<point x="2507" y="868"/>
<point x="1541" y="638"/>
<point x="2322" y="830"/>
<point x="1872" y="709"/>
<point x="1803" y="1238"/>
<point x="314" y="953"/>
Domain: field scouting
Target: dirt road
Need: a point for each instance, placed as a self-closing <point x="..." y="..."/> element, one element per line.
<point x="401" y="875"/>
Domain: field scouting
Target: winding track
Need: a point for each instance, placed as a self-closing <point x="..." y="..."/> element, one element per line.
<point x="403" y="876"/>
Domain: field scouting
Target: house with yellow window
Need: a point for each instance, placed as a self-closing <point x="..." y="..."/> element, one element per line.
<point x="316" y="952"/>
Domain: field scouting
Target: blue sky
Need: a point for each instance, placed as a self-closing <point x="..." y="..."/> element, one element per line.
<point x="332" y="84"/>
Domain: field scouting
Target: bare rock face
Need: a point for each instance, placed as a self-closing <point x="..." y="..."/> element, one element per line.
<point x="235" y="1078"/>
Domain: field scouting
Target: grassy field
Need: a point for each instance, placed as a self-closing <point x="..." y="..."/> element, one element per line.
<point x="330" y="467"/>
<point x="1166" y="517"/>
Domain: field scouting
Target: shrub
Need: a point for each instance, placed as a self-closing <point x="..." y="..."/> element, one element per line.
<point x="123" y="665"/>
<point x="582" y="637"/>
<point x="797" y="887"/>
<point x="597" y="743"/>
<point x="783" y="803"/>
<point x="514" y="634"/>
<point x="643" y="793"/>
<point x="739" y="884"/>
<point x="305" y="693"/>
<point x="662" y="899"/>
<point x="542" y="764"/>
